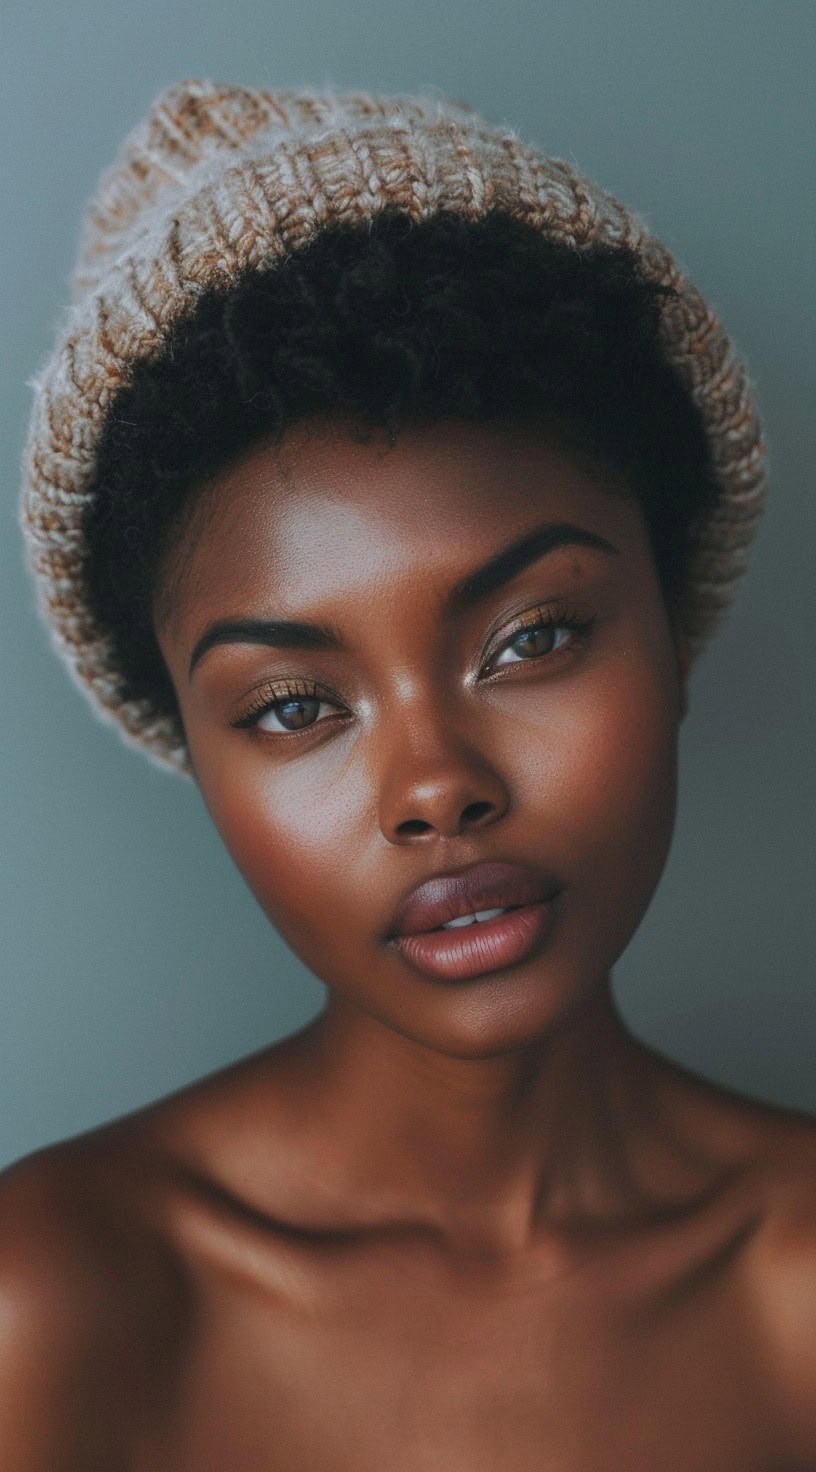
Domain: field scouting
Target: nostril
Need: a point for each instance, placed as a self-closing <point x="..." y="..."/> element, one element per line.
<point x="471" y="814"/>
<point x="474" y="811"/>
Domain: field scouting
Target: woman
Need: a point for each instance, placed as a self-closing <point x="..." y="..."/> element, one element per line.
<point x="387" y="478"/>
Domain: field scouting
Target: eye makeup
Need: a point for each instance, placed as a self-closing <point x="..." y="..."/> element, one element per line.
<point x="540" y="625"/>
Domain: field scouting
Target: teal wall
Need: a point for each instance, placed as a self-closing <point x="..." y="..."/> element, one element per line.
<point x="132" y="957"/>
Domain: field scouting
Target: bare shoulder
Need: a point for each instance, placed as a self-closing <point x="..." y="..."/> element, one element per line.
<point x="784" y="1279"/>
<point x="768" y="1155"/>
<point x="92" y="1303"/>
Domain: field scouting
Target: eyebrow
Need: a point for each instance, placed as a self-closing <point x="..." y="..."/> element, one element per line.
<point x="467" y="593"/>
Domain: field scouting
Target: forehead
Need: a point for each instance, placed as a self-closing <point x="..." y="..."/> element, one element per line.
<point x="307" y="521"/>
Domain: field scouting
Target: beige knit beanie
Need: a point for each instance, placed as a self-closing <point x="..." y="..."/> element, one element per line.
<point x="217" y="178"/>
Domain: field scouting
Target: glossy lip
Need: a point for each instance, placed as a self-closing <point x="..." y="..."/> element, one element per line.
<point x="481" y="886"/>
<point x="476" y="950"/>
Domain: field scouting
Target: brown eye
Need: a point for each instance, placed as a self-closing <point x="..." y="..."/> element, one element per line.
<point x="538" y="639"/>
<point x="277" y="710"/>
<point x="292" y="714"/>
<point x="534" y="641"/>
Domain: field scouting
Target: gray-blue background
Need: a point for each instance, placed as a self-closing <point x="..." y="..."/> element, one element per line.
<point x="133" y="959"/>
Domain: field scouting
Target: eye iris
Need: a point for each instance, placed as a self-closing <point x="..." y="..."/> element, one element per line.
<point x="535" y="641"/>
<point x="304" y="708"/>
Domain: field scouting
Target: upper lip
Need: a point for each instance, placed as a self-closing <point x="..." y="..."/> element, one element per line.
<point x="486" y="886"/>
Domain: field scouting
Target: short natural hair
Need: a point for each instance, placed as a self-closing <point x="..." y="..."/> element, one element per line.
<point x="389" y="323"/>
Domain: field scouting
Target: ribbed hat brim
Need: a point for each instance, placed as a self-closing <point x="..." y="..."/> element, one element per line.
<point x="218" y="179"/>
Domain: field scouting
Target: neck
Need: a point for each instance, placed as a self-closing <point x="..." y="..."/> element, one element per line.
<point x="494" y="1147"/>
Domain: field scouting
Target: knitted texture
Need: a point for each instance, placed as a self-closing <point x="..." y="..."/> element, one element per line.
<point x="218" y="178"/>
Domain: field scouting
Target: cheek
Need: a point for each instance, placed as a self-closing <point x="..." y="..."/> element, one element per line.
<point x="592" y="770"/>
<point x="293" y="829"/>
<point x="607" y="787"/>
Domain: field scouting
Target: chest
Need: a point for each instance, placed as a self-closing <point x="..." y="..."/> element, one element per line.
<point x="390" y="1364"/>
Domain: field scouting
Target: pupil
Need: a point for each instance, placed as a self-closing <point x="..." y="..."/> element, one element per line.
<point x="538" y="640"/>
<point x="304" y="707"/>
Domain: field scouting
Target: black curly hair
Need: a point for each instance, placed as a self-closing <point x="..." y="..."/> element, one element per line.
<point x="389" y="323"/>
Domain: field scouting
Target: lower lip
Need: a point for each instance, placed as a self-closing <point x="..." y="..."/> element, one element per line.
<point x="475" y="950"/>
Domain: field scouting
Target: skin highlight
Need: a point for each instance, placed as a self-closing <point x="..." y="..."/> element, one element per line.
<point x="567" y="760"/>
<point x="386" y="786"/>
<point x="470" y="1225"/>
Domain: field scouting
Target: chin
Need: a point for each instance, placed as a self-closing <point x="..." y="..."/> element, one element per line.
<point x="498" y="1013"/>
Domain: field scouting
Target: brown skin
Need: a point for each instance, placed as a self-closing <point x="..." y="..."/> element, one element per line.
<point x="471" y="1226"/>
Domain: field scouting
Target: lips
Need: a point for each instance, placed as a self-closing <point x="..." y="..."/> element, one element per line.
<point x="486" y="886"/>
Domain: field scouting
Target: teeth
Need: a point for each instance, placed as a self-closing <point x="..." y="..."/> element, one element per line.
<point x="471" y="919"/>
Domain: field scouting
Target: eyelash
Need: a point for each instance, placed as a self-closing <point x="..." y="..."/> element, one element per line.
<point x="281" y="693"/>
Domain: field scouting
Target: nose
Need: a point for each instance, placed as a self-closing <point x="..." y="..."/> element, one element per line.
<point x="437" y="782"/>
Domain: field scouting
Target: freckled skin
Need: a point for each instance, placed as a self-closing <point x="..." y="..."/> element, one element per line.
<point x="471" y="1226"/>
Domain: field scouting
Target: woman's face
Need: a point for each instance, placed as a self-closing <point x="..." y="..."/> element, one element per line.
<point x="429" y="719"/>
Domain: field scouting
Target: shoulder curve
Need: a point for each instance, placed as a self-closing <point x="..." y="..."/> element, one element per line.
<point x="85" y="1289"/>
<point x="75" y="1217"/>
<point x="50" y="1321"/>
<point x="785" y="1282"/>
